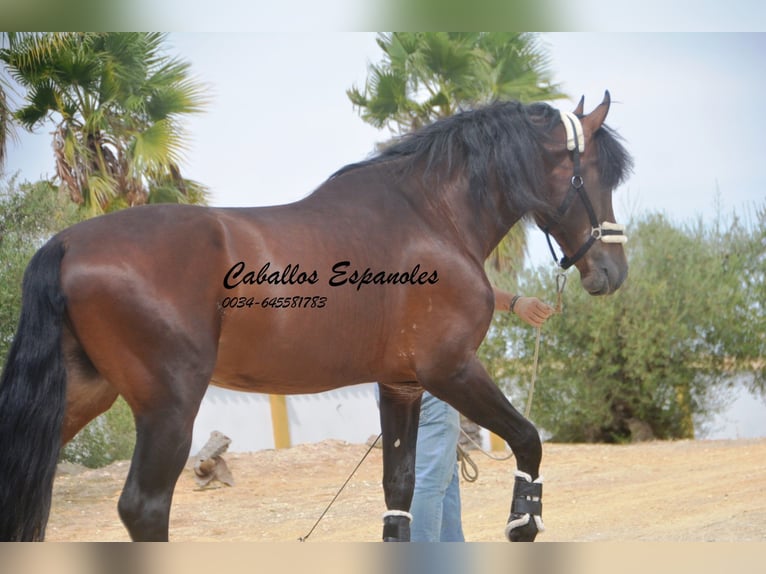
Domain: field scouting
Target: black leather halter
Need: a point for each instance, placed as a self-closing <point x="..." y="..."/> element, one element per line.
<point x="607" y="231"/>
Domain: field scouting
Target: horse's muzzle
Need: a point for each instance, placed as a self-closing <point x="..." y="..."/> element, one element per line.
<point x="604" y="279"/>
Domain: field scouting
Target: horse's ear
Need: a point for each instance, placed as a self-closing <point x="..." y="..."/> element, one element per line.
<point x="580" y="109"/>
<point x="596" y="118"/>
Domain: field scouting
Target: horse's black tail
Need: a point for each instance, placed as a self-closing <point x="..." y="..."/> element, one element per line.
<point x="32" y="401"/>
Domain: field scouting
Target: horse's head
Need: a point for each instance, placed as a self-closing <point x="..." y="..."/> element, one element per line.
<point x="587" y="163"/>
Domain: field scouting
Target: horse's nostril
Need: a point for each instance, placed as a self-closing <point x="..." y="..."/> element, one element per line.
<point x="607" y="284"/>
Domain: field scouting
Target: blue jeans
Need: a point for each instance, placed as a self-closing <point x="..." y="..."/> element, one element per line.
<point x="436" y="503"/>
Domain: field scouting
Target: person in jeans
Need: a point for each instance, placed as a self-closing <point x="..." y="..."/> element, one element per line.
<point x="435" y="509"/>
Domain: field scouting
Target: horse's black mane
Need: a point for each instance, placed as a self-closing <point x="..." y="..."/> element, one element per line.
<point x="502" y="141"/>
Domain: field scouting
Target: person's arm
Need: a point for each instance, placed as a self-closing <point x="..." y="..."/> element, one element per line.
<point x="529" y="309"/>
<point x="502" y="299"/>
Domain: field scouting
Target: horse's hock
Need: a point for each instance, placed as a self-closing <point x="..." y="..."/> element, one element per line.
<point x="209" y="465"/>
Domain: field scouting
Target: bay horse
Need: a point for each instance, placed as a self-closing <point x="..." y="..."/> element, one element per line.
<point x="378" y="275"/>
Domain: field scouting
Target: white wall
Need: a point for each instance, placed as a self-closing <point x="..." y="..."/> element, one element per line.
<point x="349" y="414"/>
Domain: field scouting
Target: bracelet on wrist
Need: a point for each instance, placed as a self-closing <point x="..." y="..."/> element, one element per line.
<point x="513" y="302"/>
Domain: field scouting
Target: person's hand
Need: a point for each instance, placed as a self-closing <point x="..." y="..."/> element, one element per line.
<point x="532" y="311"/>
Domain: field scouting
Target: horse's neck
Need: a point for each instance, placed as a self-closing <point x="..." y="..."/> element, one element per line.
<point x="478" y="223"/>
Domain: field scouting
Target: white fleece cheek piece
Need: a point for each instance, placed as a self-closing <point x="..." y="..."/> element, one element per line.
<point x="609" y="226"/>
<point x="573" y="127"/>
<point x="524" y="520"/>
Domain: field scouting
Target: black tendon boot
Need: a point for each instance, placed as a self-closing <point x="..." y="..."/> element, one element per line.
<point x="396" y="526"/>
<point x="525" y="520"/>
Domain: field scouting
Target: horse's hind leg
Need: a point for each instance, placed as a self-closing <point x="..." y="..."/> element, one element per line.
<point x="163" y="439"/>
<point x="164" y="427"/>
<point x="165" y="406"/>
<point x="399" y="414"/>
<point x="164" y="387"/>
<point x="88" y="393"/>
<point x="471" y="391"/>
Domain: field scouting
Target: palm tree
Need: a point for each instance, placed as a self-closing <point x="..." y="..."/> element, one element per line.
<point x="116" y="103"/>
<point x="424" y="76"/>
<point x="429" y="75"/>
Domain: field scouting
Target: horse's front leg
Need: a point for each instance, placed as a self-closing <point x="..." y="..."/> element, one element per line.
<point x="399" y="415"/>
<point x="472" y="392"/>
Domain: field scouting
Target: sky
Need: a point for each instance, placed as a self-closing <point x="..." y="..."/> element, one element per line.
<point x="279" y="121"/>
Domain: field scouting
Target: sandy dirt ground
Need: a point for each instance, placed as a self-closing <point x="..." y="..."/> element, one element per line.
<point x="655" y="491"/>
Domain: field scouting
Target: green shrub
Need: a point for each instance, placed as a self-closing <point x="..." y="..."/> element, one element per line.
<point x="108" y="438"/>
<point x="655" y="357"/>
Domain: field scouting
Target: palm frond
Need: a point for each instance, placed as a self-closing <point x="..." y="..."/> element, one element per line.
<point x="180" y="98"/>
<point x="29" y="54"/>
<point x="508" y="257"/>
<point x="196" y="193"/>
<point x="100" y="190"/>
<point x="165" y="194"/>
<point x="43" y="98"/>
<point x="156" y="146"/>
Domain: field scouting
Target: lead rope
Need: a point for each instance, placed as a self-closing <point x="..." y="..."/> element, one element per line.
<point x="561" y="282"/>
<point x="465" y="460"/>
<point x="337" y="494"/>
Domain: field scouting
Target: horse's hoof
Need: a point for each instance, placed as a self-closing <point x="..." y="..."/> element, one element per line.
<point x="521" y="528"/>
<point x="396" y="526"/>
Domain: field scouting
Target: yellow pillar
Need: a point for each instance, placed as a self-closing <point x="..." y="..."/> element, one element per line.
<point x="279" y="421"/>
<point x="495" y="442"/>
